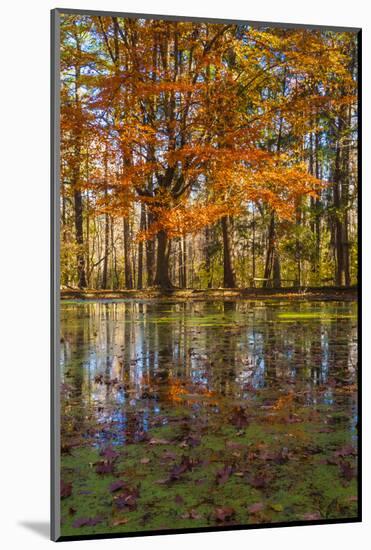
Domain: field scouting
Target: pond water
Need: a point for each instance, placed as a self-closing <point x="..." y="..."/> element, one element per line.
<point x="204" y="401"/>
<point x="120" y="357"/>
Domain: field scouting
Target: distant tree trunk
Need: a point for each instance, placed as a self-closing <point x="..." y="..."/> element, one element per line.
<point x="140" y="247"/>
<point x="106" y="227"/>
<point x="276" y="271"/>
<point x="208" y="256"/>
<point x="162" y="278"/>
<point x="272" y="260"/>
<point x="345" y="205"/>
<point x="229" y="279"/>
<point x="80" y="257"/>
<point x="106" y="251"/>
<point x="150" y="261"/>
<point x="77" y="195"/>
<point x="184" y="260"/>
<point x="127" y="259"/>
<point x="339" y="273"/>
<point x="253" y="245"/>
<point x="114" y="277"/>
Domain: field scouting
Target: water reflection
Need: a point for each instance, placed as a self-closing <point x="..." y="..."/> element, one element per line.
<point x="124" y="364"/>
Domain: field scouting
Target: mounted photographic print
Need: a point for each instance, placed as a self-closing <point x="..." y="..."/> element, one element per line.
<point x="205" y="274"/>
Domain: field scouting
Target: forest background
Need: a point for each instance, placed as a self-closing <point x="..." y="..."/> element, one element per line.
<point x="207" y="155"/>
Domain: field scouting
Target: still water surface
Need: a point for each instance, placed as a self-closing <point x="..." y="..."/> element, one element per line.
<point x="126" y="364"/>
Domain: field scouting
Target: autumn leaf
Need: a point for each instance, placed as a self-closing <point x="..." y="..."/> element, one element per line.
<point x="223" y="514"/>
<point x="66" y="489"/>
<point x="256" y="508"/>
<point x="116" y="486"/>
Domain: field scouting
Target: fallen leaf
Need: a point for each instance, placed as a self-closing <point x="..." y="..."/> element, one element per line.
<point x="66" y="489"/>
<point x="104" y="467"/>
<point x="83" y="522"/>
<point x="127" y="499"/>
<point x="311" y="516"/>
<point x="120" y="521"/>
<point x="347" y="470"/>
<point x="116" y="486"/>
<point x="223" y="475"/>
<point x="109" y="453"/>
<point x="256" y="508"/>
<point x="347" y="450"/>
<point x="258" y="482"/>
<point x="224" y="514"/>
<point x="192" y="514"/>
<point x="277" y="507"/>
<point x="239" y="418"/>
<point x="177" y="470"/>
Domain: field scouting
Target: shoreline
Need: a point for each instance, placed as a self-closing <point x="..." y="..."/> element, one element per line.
<point x="196" y="295"/>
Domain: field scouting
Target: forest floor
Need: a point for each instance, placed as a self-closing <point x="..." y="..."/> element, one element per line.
<point x="180" y="295"/>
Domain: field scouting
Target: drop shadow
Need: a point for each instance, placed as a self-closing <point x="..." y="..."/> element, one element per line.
<point x="41" y="528"/>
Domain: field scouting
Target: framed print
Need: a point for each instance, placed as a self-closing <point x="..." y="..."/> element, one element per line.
<point x="205" y="274"/>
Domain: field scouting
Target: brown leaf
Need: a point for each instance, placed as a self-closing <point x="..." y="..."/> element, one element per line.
<point x="239" y="418"/>
<point x="191" y="514"/>
<point x="66" y="489"/>
<point x="311" y="516"/>
<point x="256" y="508"/>
<point x="258" y="482"/>
<point x="126" y="500"/>
<point x="347" y="470"/>
<point x="155" y="441"/>
<point x="104" y="467"/>
<point x="347" y="450"/>
<point x="120" y="521"/>
<point x="83" y="522"/>
<point x="116" y="486"/>
<point x="224" y="514"/>
<point x="223" y="475"/>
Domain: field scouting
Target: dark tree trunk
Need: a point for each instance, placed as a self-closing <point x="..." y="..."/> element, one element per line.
<point x="339" y="273"/>
<point x="80" y="257"/>
<point x="162" y="278"/>
<point x="272" y="261"/>
<point x="106" y="251"/>
<point x="253" y="245"/>
<point x="128" y="272"/>
<point x="184" y="261"/>
<point x="140" y="247"/>
<point x="208" y="256"/>
<point x="229" y="279"/>
<point x="276" y="271"/>
<point x="106" y="226"/>
<point x="77" y="195"/>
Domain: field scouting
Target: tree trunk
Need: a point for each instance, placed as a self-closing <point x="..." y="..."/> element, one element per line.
<point x="184" y="261"/>
<point x="106" y="226"/>
<point x="127" y="259"/>
<point x="140" y="247"/>
<point x="80" y="257"/>
<point x="208" y="256"/>
<point x="162" y="278"/>
<point x="272" y="263"/>
<point x="106" y="251"/>
<point x="229" y="279"/>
